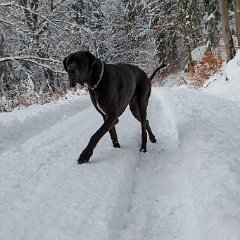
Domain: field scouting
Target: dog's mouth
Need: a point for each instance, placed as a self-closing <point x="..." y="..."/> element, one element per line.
<point x="74" y="80"/>
<point x="77" y="77"/>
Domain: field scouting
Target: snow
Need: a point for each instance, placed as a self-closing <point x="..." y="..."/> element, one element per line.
<point x="186" y="187"/>
<point x="172" y="80"/>
<point x="210" y="17"/>
<point x="20" y="125"/>
<point x="226" y="84"/>
<point x="198" y="53"/>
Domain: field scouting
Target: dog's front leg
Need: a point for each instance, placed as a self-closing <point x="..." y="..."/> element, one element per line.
<point x="113" y="133"/>
<point x="114" y="137"/>
<point x="88" y="151"/>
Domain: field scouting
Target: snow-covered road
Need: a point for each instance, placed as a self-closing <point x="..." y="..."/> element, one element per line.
<point x="186" y="187"/>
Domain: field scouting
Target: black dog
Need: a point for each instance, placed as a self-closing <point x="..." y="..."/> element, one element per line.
<point x="112" y="88"/>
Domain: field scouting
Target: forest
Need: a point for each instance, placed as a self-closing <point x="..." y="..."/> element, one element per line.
<point x="36" y="35"/>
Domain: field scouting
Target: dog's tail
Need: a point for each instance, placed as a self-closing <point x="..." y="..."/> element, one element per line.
<point x="152" y="76"/>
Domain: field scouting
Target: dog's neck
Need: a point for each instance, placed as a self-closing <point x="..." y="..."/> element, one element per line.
<point x="99" y="78"/>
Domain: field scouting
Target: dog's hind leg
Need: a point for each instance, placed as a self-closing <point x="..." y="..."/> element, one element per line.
<point x="139" y="111"/>
<point x="143" y="116"/>
<point x="151" y="135"/>
<point x="135" y="112"/>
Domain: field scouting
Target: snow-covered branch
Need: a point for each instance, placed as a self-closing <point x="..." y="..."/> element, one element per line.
<point x="8" y="4"/>
<point x="28" y="57"/>
<point x="35" y="60"/>
<point x="12" y="4"/>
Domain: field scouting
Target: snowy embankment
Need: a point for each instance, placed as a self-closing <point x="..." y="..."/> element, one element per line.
<point x="20" y="125"/>
<point x="209" y="140"/>
<point x="186" y="187"/>
<point x="226" y="84"/>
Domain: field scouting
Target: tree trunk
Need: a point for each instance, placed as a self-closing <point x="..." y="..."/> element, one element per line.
<point x="237" y="18"/>
<point x="5" y="68"/>
<point x="185" y="37"/>
<point x="226" y="32"/>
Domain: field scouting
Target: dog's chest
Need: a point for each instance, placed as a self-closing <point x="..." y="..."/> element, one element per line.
<point x="99" y="108"/>
<point x="98" y="104"/>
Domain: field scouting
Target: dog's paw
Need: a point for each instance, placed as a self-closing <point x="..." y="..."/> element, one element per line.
<point x="143" y="149"/>
<point x="84" y="156"/>
<point x="116" y="144"/>
<point x="153" y="139"/>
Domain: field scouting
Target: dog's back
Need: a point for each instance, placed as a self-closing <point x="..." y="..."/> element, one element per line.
<point x="131" y="80"/>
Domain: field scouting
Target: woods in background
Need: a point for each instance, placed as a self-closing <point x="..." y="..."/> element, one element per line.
<point x="36" y="35"/>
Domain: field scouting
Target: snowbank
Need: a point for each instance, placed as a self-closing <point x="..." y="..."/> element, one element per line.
<point x="22" y="124"/>
<point x="209" y="137"/>
<point x="227" y="83"/>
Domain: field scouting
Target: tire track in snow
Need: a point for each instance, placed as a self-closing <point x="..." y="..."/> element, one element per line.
<point x="46" y="195"/>
<point x="160" y="205"/>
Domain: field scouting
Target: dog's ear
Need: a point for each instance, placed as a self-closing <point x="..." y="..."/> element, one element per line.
<point x="92" y="60"/>
<point x="65" y="63"/>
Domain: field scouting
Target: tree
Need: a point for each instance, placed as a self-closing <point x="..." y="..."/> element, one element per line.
<point x="226" y="32"/>
<point x="237" y="18"/>
<point x="5" y="72"/>
<point x="184" y="21"/>
<point x="166" y="31"/>
<point x="211" y="23"/>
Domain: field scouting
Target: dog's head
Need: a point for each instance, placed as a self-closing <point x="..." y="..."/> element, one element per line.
<point x="79" y="66"/>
